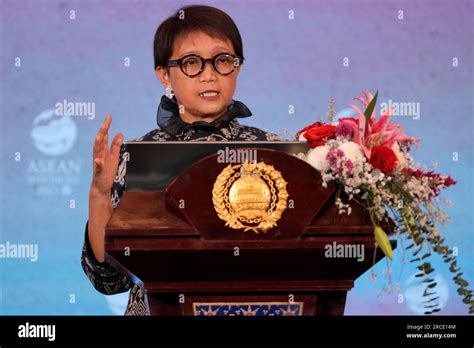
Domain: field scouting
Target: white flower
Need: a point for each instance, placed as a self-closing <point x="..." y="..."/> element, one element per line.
<point x="352" y="151"/>
<point x="317" y="157"/>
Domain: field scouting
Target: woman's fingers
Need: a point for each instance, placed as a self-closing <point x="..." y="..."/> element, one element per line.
<point x="116" y="144"/>
<point x="107" y="122"/>
<point x="98" y="144"/>
<point x="102" y="153"/>
<point x="98" y="166"/>
<point x="101" y="138"/>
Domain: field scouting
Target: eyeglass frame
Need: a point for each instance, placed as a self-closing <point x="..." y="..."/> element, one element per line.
<point x="178" y="62"/>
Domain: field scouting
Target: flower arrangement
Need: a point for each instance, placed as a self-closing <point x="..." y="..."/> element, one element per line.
<point x="369" y="159"/>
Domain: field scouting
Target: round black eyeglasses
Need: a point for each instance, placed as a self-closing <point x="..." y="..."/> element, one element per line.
<point x="192" y="65"/>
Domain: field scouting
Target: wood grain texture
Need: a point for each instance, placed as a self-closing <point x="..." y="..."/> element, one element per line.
<point x="175" y="250"/>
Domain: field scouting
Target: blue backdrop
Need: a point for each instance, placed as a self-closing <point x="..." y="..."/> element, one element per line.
<point x="298" y="55"/>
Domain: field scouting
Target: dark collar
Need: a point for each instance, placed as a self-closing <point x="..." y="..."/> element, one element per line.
<point x="168" y="117"/>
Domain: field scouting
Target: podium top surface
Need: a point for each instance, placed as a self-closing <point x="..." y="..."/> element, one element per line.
<point x="153" y="165"/>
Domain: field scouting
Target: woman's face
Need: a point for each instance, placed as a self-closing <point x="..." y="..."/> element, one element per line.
<point x="188" y="90"/>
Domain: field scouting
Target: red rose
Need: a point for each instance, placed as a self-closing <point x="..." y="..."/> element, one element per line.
<point x="305" y="129"/>
<point x="383" y="158"/>
<point x="319" y="135"/>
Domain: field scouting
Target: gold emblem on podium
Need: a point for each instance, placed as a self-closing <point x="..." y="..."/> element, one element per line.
<point x="250" y="196"/>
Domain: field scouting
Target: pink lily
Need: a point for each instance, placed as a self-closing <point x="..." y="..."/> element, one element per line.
<point x="375" y="132"/>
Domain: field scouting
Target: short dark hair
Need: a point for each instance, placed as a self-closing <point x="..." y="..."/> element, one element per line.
<point x="194" y="18"/>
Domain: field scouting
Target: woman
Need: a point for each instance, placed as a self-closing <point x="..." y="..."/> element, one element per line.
<point x="198" y="54"/>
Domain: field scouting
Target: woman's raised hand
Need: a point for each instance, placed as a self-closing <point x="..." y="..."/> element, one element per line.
<point x="105" y="159"/>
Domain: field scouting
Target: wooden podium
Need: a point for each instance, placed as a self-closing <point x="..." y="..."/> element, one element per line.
<point x="173" y="243"/>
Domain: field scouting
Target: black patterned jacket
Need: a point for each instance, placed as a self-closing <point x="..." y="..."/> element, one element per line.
<point x="105" y="278"/>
